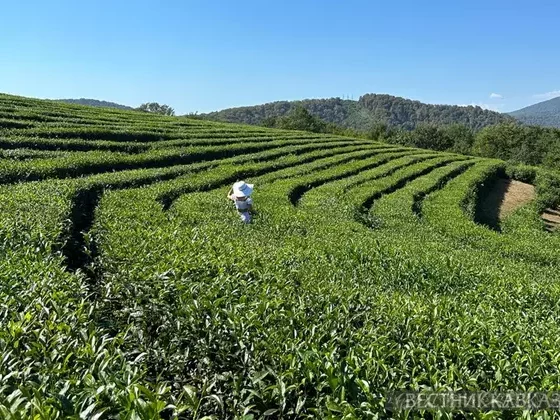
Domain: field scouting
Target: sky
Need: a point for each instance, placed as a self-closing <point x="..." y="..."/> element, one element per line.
<point x="201" y="56"/>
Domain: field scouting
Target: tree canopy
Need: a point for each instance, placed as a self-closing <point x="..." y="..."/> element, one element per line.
<point x="298" y="118"/>
<point x="368" y="112"/>
<point x="156" y="108"/>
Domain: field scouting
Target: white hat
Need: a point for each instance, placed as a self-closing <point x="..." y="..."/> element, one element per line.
<point x="242" y="189"/>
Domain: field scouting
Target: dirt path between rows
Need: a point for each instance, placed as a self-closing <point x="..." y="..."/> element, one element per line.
<point x="506" y="196"/>
<point x="503" y="198"/>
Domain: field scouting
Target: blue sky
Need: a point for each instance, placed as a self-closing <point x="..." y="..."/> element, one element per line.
<point x="208" y="55"/>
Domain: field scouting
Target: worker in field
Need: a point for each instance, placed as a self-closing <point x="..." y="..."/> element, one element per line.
<point x="240" y="194"/>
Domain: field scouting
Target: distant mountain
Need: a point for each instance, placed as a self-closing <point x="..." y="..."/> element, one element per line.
<point x="94" y="102"/>
<point x="365" y="113"/>
<point x="546" y="114"/>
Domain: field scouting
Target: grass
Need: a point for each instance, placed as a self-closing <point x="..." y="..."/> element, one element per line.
<point x="131" y="290"/>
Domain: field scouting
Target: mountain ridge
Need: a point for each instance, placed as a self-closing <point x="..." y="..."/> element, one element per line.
<point x="94" y="102"/>
<point x="546" y="113"/>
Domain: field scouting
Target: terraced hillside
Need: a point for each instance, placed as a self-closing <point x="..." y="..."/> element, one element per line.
<point x="130" y="289"/>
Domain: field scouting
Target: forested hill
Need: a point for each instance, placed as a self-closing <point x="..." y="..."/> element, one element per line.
<point x="94" y="102"/>
<point x="407" y="114"/>
<point x="546" y="114"/>
<point x="369" y="110"/>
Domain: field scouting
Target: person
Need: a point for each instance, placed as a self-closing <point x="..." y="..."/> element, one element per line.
<point x="240" y="194"/>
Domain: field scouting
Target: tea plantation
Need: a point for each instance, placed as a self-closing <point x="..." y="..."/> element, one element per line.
<point x="130" y="289"/>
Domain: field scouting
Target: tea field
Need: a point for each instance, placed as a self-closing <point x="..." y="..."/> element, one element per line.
<point x="130" y="289"/>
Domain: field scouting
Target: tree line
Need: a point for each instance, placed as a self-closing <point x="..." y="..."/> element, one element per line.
<point x="408" y="114"/>
<point x="367" y="112"/>
<point x="156" y="108"/>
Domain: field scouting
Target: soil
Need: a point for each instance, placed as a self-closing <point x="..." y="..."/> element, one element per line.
<point x="506" y="196"/>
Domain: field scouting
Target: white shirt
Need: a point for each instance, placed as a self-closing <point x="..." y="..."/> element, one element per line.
<point x="243" y="205"/>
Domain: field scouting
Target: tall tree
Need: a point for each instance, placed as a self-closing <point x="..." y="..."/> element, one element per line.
<point x="155" y="108"/>
<point x="298" y="118"/>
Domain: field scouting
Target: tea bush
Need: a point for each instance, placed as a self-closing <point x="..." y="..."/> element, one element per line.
<point x="130" y="289"/>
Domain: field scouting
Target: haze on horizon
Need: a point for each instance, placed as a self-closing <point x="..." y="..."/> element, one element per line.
<point x="209" y="56"/>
